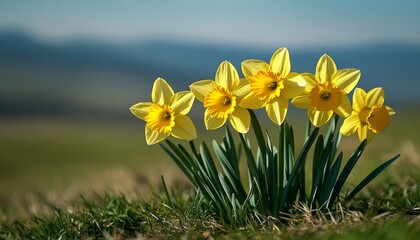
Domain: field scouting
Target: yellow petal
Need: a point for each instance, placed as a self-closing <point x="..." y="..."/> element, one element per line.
<point x="293" y="86"/>
<point x="375" y="96"/>
<point x="365" y="133"/>
<point x="240" y="120"/>
<point x="153" y="137"/>
<point x="182" y="102"/>
<point x="346" y="79"/>
<point x="212" y="122"/>
<point x="184" y="128"/>
<point x="319" y="118"/>
<point x="242" y="90"/>
<point x="311" y="81"/>
<point x="140" y="110"/>
<point x="201" y="88"/>
<point x="350" y="124"/>
<point x="390" y="110"/>
<point x="251" y="101"/>
<point x="280" y="62"/>
<point x="162" y="92"/>
<point x="301" y="101"/>
<point x="325" y="68"/>
<point x="227" y="76"/>
<point x="344" y="110"/>
<point x="359" y="99"/>
<point x="252" y="66"/>
<point x="277" y="110"/>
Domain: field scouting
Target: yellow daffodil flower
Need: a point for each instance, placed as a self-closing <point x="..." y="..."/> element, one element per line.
<point x="166" y="114"/>
<point x="220" y="98"/>
<point x="326" y="91"/>
<point x="369" y="115"/>
<point x="271" y="85"/>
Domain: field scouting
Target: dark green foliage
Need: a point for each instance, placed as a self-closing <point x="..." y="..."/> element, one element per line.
<point x="276" y="177"/>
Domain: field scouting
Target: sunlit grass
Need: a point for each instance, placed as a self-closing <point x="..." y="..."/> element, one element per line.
<point x="179" y="216"/>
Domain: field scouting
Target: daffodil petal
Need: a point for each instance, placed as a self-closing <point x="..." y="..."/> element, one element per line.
<point x="241" y="91"/>
<point x="240" y="120"/>
<point x="359" y="99"/>
<point x="161" y="92"/>
<point x="375" y="96"/>
<point x="212" y="122"/>
<point x="280" y="62"/>
<point x="350" y="124"/>
<point x="227" y="76"/>
<point x="252" y="66"/>
<point x="140" y="110"/>
<point x="365" y="133"/>
<point x="251" y="101"/>
<point x="346" y="79"/>
<point x="201" y="88"/>
<point x="153" y="137"/>
<point x="301" y="101"/>
<point x="184" y="128"/>
<point x="277" y="110"/>
<point x="390" y="110"/>
<point x="311" y="81"/>
<point x="293" y="86"/>
<point x="182" y="102"/>
<point x="344" y="109"/>
<point x="319" y="118"/>
<point x="325" y="68"/>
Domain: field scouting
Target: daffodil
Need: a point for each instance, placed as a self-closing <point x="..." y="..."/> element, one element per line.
<point x="271" y="85"/>
<point x="326" y="91"/>
<point x="220" y="98"/>
<point x="369" y="115"/>
<point x="166" y="114"/>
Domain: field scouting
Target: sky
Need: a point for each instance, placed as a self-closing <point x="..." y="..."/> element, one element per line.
<point x="265" y="23"/>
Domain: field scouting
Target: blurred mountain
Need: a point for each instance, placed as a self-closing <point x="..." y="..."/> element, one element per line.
<point x="88" y="78"/>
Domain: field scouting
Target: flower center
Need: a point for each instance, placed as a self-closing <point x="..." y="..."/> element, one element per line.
<point x="325" y="97"/>
<point x="377" y="118"/>
<point x="219" y="102"/>
<point x="266" y="85"/>
<point x="325" y="94"/>
<point x="226" y="101"/>
<point x="160" y="118"/>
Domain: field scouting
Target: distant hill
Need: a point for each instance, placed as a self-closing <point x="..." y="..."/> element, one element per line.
<point x="83" y="75"/>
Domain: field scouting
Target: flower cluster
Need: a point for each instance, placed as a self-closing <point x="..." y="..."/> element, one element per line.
<point x="270" y="86"/>
<point x="276" y="171"/>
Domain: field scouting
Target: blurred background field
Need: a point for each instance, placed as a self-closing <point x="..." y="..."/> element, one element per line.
<point x="69" y="73"/>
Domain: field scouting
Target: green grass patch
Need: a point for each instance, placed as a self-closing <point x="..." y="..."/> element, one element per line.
<point x="390" y="212"/>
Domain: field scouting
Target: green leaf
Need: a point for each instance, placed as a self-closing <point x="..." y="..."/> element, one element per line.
<point x="252" y="167"/>
<point x="370" y="177"/>
<point x="168" y="197"/>
<point x="180" y="163"/>
<point x="299" y="161"/>
<point x="257" y="131"/>
<point x="330" y="181"/>
<point x="235" y="181"/>
<point x="347" y="169"/>
<point x="320" y="171"/>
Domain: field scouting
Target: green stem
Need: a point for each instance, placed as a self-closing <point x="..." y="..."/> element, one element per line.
<point x="308" y="129"/>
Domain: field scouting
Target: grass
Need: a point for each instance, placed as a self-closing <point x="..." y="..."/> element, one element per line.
<point x="391" y="212"/>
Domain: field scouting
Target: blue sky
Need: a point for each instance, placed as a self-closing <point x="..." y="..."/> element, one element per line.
<point x="265" y="23"/>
